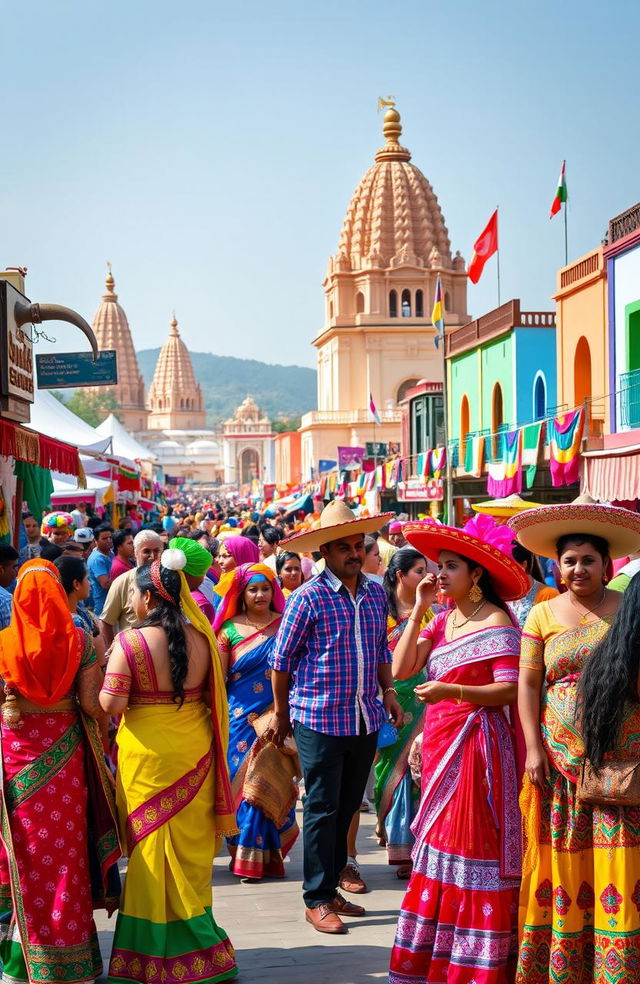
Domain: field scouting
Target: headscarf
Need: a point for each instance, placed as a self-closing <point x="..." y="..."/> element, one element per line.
<point x="40" y="651"/>
<point x="241" y="577"/>
<point x="199" y="560"/>
<point x="242" y="549"/>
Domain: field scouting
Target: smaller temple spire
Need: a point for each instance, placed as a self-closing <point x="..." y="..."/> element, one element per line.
<point x="392" y="150"/>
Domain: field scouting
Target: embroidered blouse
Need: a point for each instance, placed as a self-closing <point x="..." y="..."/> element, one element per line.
<point x="140" y="685"/>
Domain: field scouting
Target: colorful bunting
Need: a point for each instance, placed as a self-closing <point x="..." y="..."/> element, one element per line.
<point x="505" y="477"/>
<point x="565" y="438"/>
<point x="438" y="461"/>
<point x="477" y="457"/>
<point x="531" y="444"/>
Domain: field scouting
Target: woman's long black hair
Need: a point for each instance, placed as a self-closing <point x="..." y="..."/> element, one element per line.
<point x="609" y="681"/>
<point x="168" y="616"/>
<point x="401" y="563"/>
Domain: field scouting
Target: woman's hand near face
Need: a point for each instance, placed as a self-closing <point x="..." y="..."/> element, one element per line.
<point x="426" y="592"/>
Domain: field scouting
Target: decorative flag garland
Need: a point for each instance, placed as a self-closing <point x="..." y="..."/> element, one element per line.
<point x="505" y="477"/>
<point x="438" y="461"/>
<point x="565" y="438"/>
<point x="531" y="445"/>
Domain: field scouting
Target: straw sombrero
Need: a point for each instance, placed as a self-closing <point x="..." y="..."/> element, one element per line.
<point x="336" y="521"/>
<point x="478" y="543"/>
<point x="540" y="529"/>
<point x="512" y="505"/>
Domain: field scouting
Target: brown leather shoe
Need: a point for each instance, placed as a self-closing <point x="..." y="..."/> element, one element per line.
<point x="324" y="919"/>
<point x="351" y="880"/>
<point x="345" y="908"/>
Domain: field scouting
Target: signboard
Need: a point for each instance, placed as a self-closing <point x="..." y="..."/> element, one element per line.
<point x="66" y="370"/>
<point x="350" y="458"/>
<point x="376" y="449"/>
<point x="16" y="358"/>
<point x="418" y="491"/>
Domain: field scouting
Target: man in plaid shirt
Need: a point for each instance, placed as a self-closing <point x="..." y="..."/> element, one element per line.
<point x="330" y="661"/>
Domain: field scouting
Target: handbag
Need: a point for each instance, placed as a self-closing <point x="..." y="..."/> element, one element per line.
<point x="387" y="735"/>
<point x="260" y="724"/>
<point x="615" y="783"/>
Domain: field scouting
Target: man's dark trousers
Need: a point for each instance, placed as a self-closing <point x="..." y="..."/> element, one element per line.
<point x="335" y="770"/>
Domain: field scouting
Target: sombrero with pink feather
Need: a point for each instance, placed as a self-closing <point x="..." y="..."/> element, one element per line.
<point x="481" y="541"/>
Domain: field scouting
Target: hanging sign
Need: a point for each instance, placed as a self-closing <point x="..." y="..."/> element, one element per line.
<point x="418" y="491"/>
<point x="376" y="449"/>
<point x="350" y="458"/>
<point x="65" y="370"/>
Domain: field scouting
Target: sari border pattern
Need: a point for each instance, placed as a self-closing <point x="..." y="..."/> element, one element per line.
<point x="158" y="810"/>
<point x="199" y="966"/>
<point x="36" y="775"/>
<point x="483" y="645"/>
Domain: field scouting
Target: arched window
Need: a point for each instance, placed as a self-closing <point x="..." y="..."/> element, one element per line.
<point x="419" y="304"/>
<point x="393" y="304"/>
<point x="539" y="398"/>
<point x="331" y="309"/>
<point x="406" y="303"/>
<point x="464" y="424"/>
<point x="582" y="372"/>
<point x="359" y="302"/>
<point x="447" y="301"/>
<point x="404" y="388"/>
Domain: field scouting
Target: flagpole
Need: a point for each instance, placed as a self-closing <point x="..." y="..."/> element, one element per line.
<point x="566" y="242"/>
<point x="448" y="479"/>
<point x="498" y="262"/>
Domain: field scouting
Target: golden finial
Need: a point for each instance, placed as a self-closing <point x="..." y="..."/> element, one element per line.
<point x="109" y="281"/>
<point x="389" y="101"/>
<point x="174" y="323"/>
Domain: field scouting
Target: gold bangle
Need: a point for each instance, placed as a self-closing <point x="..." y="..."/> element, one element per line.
<point x="389" y="690"/>
<point x="461" y="697"/>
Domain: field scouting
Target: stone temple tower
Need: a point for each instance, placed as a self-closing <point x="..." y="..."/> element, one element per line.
<point x="175" y="397"/>
<point x="112" y="331"/>
<point x="379" y="289"/>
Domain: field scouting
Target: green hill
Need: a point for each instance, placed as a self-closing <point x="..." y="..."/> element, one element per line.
<point x="280" y="391"/>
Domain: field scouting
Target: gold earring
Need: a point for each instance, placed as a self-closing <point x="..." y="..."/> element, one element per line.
<point x="475" y="594"/>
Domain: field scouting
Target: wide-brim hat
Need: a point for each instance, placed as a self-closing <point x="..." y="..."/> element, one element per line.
<point x="336" y="521"/>
<point x="512" y="505"/>
<point x="507" y="576"/>
<point x="540" y="529"/>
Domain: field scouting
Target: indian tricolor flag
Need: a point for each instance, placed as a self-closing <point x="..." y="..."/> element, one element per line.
<point x="561" y="193"/>
<point x="375" y="416"/>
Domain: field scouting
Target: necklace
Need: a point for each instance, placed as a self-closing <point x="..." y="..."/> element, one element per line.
<point x="256" y="626"/>
<point x="458" y="625"/>
<point x="584" y="615"/>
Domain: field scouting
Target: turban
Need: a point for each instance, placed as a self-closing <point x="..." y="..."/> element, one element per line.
<point x="199" y="560"/>
<point x="395" y="527"/>
<point x="57" y="521"/>
<point x="241" y="577"/>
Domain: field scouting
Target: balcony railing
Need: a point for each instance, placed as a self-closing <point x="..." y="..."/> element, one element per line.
<point x="349" y="417"/>
<point x="630" y="399"/>
<point x="624" y="224"/>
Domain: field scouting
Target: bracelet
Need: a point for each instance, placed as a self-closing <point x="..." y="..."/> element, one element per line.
<point x="389" y="690"/>
<point x="461" y="697"/>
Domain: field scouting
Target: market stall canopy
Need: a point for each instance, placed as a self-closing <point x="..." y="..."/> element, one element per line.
<point x="65" y="490"/>
<point x="123" y="443"/>
<point x="49" y="416"/>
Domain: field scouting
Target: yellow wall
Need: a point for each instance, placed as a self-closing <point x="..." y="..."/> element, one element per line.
<point x="581" y="309"/>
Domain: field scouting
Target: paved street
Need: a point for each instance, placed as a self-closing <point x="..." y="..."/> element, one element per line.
<point x="274" y="944"/>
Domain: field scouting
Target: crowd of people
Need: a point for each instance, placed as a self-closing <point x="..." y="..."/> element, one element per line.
<point x="174" y="688"/>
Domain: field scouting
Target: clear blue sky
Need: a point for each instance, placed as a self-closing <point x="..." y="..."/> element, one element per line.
<point x="209" y="150"/>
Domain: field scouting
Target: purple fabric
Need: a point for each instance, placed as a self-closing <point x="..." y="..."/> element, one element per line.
<point x="332" y="644"/>
<point x="242" y="549"/>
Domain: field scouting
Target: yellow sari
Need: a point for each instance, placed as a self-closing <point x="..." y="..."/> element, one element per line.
<point x="174" y="804"/>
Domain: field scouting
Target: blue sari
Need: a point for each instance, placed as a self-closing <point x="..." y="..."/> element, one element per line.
<point x="260" y="847"/>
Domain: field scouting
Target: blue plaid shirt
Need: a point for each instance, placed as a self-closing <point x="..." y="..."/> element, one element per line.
<point x="5" y="608"/>
<point x="332" y="643"/>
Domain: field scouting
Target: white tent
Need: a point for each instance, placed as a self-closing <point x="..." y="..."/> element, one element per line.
<point x="65" y="489"/>
<point x="123" y="443"/>
<point x="53" y="419"/>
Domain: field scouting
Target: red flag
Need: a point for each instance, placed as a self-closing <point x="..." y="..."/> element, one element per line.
<point x="485" y="246"/>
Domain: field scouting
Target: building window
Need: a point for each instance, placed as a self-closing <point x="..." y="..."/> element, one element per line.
<point x="447" y="301"/>
<point x="406" y="303"/>
<point x="539" y="398"/>
<point x="582" y="372"/>
<point x="359" y="302"/>
<point x="419" y="304"/>
<point x="393" y="304"/>
<point x="497" y="419"/>
<point x="331" y="309"/>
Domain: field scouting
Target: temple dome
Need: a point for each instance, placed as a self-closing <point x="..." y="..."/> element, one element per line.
<point x="394" y="217"/>
<point x="111" y="328"/>
<point x="174" y="388"/>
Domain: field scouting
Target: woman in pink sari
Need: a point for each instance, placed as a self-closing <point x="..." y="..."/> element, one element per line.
<point x="458" y="920"/>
